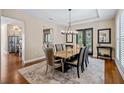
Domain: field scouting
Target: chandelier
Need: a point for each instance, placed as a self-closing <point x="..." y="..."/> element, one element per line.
<point x="69" y="31"/>
<point x="16" y="28"/>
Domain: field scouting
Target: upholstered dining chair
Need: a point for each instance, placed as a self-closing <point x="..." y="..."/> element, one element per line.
<point x="77" y="63"/>
<point x="51" y="62"/>
<point x="87" y="51"/>
<point x="58" y="47"/>
<point x="85" y="60"/>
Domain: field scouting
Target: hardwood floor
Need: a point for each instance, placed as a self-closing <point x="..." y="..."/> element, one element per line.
<point x="9" y="69"/>
<point x="11" y="63"/>
<point x="112" y="75"/>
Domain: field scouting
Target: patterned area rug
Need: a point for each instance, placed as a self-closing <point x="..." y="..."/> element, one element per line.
<point x="93" y="74"/>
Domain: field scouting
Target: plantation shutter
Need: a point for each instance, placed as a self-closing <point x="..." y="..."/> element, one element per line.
<point x="122" y="40"/>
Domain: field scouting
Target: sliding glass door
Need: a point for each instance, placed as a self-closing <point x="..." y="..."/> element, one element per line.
<point x="80" y="38"/>
<point x="85" y="37"/>
<point x="89" y="40"/>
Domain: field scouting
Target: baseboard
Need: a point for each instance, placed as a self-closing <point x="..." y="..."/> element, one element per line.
<point x="121" y="72"/>
<point x="95" y="56"/>
<point x="35" y="59"/>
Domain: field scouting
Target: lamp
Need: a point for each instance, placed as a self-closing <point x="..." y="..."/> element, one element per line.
<point x="69" y="31"/>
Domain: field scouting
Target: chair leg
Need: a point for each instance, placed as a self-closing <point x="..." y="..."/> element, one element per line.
<point x="78" y="72"/>
<point x="86" y="63"/>
<point x="63" y="67"/>
<point x="87" y="60"/>
<point x="46" y="69"/>
<point x="82" y="68"/>
<point x="53" y="71"/>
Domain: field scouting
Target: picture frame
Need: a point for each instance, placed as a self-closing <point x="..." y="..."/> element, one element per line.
<point x="104" y="36"/>
<point x="69" y="38"/>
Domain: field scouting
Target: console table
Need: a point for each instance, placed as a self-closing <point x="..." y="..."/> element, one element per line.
<point x="104" y="56"/>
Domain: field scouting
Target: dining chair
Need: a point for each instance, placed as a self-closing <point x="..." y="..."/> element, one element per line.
<point x="77" y="63"/>
<point x="85" y="60"/>
<point x="51" y="62"/>
<point x="58" y="47"/>
<point x="63" y="47"/>
<point x="87" y="51"/>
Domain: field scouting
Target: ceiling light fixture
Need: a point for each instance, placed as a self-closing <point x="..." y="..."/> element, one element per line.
<point x="16" y="28"/>
<point x="69" y="31"/>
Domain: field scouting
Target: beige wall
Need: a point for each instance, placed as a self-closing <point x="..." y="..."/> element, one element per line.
<point x="58" y="37"/>
<point x="33" y="33"/>
<point x="99" y="25"/>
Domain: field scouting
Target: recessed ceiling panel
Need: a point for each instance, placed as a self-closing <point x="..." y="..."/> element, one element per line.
<point x="61" y="16"/>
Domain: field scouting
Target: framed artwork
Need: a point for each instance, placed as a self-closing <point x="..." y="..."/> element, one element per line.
<point x="69" y="38"/>
<point x="104" y="36"/>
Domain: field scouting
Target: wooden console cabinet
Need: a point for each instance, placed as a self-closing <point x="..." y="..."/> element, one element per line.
<point x="102" y="55"/>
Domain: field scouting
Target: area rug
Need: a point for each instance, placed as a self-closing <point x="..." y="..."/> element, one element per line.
<point x="93" y="74"/>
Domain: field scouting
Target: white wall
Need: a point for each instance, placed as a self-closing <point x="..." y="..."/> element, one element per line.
<point x="99" y="25"/>
<point x="0" y="30"/>
<point x="58" y="37"/>
<point x="33" y="33"/>
<point x="0" y="44"/>
<point x="0" y="33"/>
<point x="4" y="39"/>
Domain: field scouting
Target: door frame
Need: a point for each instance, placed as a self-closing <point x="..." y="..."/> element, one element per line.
<point x="85" y="38"/>
<point x="22" y="24"/>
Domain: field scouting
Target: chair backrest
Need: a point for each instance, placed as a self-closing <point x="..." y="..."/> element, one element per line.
<point x="58" y="47"/>
<point x="81" y="56"/>
<point x="50" y="56"/>
<point x="52" y="46"/>
<point x="86" y="53"/>
<point x="44" y="48"/>
<point x="63" y="46"/>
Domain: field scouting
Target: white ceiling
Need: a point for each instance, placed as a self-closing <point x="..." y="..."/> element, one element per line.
<point x="61" y="16"/>
<point x="6" y="20"/>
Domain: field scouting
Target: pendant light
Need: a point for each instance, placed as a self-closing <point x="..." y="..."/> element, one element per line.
<point x="69" y="31"/>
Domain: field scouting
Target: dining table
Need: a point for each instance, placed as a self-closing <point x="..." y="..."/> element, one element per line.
<point x="67" y="54"/>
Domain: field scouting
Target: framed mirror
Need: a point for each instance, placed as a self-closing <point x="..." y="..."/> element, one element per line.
<point x="104" y="36"/>
<point x="69" y="38"/>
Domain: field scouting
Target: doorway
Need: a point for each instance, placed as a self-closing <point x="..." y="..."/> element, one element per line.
<point x="12" y="49"/>
<point x="85" y="37"/>
<point x="12" y="37"/>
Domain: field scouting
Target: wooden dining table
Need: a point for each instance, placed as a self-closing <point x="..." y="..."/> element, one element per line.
<point x="66" y="54"/>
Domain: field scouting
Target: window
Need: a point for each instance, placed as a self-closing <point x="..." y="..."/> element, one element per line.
<point x="47" y="38"/>
<point x="80" y="38"/>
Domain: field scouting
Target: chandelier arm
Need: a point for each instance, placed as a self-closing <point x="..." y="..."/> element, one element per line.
<point x="69" y="26"/>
